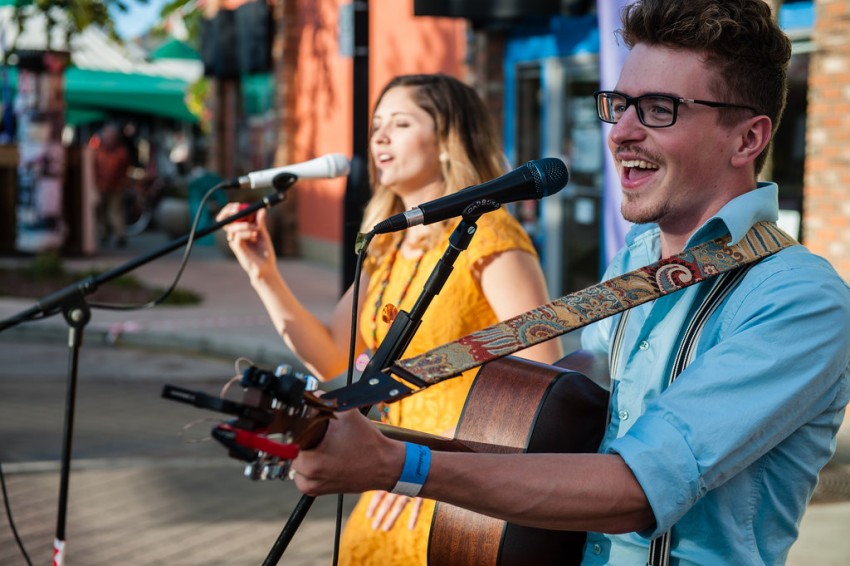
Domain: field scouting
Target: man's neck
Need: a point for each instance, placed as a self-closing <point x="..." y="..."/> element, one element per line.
<point x="675" y="235"/>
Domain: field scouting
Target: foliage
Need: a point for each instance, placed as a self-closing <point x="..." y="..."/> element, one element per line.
<point x="73" y="16"/>
<point x="197" y="101"/>
<point x="46" y="265"/>
<point x="198" y="93"/>
<point x="191" y="15"/>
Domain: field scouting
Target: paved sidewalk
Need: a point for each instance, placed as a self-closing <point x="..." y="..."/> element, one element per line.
<point x="229" y="322"/>
<point x="140" y="494"/>
<point x="147" y="486"/>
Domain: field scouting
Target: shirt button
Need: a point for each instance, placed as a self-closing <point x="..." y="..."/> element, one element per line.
<point x="624" y="415"/>
<point x="597" y="549"/>
<point x="644" y="345"/>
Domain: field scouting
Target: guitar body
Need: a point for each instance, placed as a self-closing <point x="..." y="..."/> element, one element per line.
<point x="521" y="406"/>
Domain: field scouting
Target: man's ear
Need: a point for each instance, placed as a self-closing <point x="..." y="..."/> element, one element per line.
<point x="752" y="137"/>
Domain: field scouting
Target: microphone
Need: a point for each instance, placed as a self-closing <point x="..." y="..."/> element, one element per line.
<point x="534" y="180"/>
<point x="325" y="167"/>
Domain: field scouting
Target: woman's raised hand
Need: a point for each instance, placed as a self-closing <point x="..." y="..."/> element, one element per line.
<point x="249" y="240"/>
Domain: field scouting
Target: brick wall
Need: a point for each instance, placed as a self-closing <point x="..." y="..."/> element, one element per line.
<point x="283" y="223"/>
<point x="826" y="194"/>
<point x="485" y="52"/>
<point x="285" y="59"/>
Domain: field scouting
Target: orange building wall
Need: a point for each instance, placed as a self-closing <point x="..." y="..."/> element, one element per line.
<point x="399" y="43"/>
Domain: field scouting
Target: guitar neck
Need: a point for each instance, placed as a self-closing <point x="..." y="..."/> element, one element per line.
<point x="311" y="431"/>
<point x="432" y="441"/>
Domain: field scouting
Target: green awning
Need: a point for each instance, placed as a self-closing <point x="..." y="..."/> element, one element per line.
<point x="111" y="91"/>
<point x="91" y="95"/>
<point x="175" y="49"/>
<point x="257" y="93"/>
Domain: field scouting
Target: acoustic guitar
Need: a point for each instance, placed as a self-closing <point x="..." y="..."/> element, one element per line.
<point x="522" y="406"/>
<point x="514" y="406"/>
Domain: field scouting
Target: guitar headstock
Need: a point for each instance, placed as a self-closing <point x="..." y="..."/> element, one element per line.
<point x="279" y="414"/>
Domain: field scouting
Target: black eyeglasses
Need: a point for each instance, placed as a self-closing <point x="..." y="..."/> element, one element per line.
<point x="653" y="110"/>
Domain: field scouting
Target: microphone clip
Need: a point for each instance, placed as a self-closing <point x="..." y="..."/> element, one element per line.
<point x="282" y="181"/>
<point x="479" y="208"/>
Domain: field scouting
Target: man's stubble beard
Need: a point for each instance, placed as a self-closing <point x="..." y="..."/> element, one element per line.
<point x="641" y="216"/>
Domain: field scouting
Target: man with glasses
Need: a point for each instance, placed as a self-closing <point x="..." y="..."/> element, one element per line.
<point x="719" y="464"/>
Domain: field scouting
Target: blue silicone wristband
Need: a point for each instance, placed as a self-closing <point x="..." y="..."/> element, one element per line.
<point x="417" y="462"/>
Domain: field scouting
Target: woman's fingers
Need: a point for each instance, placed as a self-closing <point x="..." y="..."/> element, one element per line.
<point x="415" y="507"/>
<point x="377" y="497"/>
<point x="385" y="508"/>
<point x="228" y="209"/>
<point x="392" y="508"/>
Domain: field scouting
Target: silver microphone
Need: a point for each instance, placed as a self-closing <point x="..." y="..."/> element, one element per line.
<point x="326" y="167"/>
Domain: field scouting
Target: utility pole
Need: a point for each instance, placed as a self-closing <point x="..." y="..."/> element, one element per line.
<point x="357" y="189"/>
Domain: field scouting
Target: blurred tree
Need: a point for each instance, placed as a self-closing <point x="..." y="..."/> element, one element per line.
<point x="188" y="13"/>
<point x="73" y="16"/>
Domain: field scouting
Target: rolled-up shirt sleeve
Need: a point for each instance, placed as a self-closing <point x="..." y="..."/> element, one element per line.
<point x="681" y="485"/>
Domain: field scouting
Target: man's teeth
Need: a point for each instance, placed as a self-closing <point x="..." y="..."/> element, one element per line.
<point x="639" y="164"/>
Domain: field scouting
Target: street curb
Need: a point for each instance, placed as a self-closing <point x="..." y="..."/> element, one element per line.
<point x="214" y="346"/>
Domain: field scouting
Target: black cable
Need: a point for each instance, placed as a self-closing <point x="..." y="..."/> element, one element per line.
<point x="188" y="250"/>
<point x="361" y="256"/>
<point x="8" y="507"/>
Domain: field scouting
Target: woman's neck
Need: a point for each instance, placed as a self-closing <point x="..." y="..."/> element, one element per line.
<point x="412" y="198"/>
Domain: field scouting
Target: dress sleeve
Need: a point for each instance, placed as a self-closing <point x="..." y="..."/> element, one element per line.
<point x="498" y="232"/>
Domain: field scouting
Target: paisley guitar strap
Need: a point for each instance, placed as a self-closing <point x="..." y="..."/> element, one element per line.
<point x="594" y="303"/>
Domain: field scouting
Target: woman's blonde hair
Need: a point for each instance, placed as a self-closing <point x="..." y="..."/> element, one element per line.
<point x="469" y="148"/>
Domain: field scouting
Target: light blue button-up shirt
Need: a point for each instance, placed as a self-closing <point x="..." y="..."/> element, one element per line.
<point x="729" y="454"/>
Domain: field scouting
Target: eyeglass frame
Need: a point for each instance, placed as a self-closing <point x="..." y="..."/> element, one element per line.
<point x="676" y="100"/>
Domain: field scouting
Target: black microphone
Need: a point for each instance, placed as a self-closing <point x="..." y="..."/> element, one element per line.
<point x="534" y="180"/>
<point x="325" y="167"/>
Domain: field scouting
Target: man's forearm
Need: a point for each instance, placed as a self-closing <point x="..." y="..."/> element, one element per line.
<point x="580" y="492"/>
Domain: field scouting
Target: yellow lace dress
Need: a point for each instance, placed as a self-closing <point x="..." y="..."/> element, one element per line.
<point x="459" y="309"/>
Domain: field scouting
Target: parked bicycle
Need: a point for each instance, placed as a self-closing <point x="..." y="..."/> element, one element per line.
<point x="141" y="198"/>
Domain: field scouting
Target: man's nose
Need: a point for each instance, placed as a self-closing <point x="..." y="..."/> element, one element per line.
<point x="628" y="127"/>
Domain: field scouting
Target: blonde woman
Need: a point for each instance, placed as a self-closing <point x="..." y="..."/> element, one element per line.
<point x="431" y="135"/>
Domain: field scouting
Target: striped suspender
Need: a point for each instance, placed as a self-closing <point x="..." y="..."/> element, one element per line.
<point x="617" y="342"/>
<point x="659" y="548"/>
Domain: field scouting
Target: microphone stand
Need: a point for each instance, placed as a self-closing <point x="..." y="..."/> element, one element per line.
<point x="375" y="386"/>
<point x="71" y="302"/>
